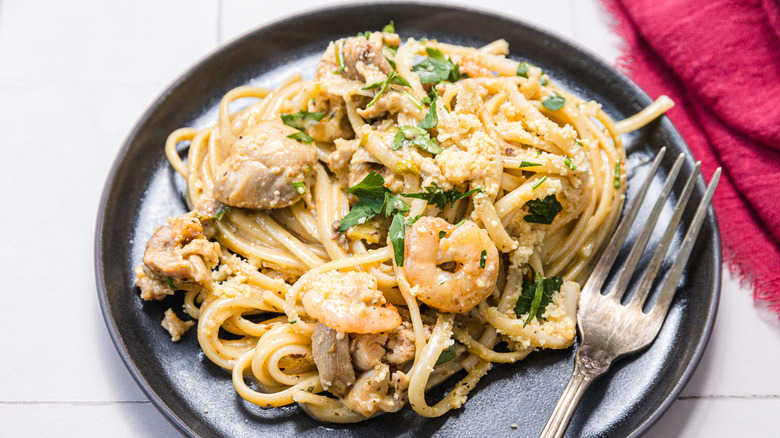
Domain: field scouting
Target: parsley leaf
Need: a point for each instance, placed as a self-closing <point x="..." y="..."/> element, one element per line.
<point x="394" y="79"/>
<point x="448" y="354"/>
<point x="482" y="259"/>
<point x="373" y="198"/>
<point x="222" y="210"/>
<point x="567" y="161"/>
<point x="539" y="293"/>
<point x="299" y="186"/>
<point x="538" y="183"/>
<point x="301" y="120"/>
<point x="389" y="27"/>
<point x="522" y="69"/>
<point x="554" y="102"/>
<point x="436" y="68"/>
<point x="543" y="211"/>
<point x="170" y="284"/>
<point x="529" y="164"/>
<point x="617" y="175"/>
<point x="397" y="233"/>
<point x="408" y="136"/>
<point x="438" y="197"/>
<point x="431" y="119"/>
<point x="339" y="58"/>
<point x="301" y="136"/>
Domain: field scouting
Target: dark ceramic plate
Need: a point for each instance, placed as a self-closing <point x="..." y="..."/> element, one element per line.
<point x="198" y="397"/>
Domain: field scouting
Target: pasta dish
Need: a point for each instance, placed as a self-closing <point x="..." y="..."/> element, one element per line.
<point x="414" y="211"/>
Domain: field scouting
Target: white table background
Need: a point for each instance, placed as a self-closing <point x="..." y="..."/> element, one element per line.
<point x="74" y="78"/>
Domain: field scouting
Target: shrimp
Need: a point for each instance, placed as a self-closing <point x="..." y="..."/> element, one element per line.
<point x="349" y="302"/>
<point x="452" y="268"/>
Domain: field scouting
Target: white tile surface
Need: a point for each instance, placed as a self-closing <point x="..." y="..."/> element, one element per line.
<point x="74" y="78"/>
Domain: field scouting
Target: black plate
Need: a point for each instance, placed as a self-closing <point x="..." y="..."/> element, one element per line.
<point x="198" y="397"/>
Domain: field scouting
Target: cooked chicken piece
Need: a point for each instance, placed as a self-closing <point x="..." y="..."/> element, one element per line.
<point x="400" y="343"/>
<point x="179" y="252"/>
<point x="367" y="350"/>
<point x="376" y="390"/>
<point x="151" y="289"/>
<point x="262" y="167"/>
<point x="175" y="326"/>
<point x="340" y="158"/>
<point x="359" y="49"/>
<point x="331" y="355"/>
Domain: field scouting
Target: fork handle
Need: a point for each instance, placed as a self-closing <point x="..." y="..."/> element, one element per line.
<point x="589" y="363"/>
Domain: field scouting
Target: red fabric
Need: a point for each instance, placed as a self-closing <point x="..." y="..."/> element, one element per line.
<point x="719" y="60"/>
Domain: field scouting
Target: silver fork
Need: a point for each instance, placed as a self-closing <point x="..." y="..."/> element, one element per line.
<point x="609" y="329"/>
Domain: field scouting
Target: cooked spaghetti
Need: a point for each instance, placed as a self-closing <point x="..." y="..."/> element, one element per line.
<point x="414" y="210"/>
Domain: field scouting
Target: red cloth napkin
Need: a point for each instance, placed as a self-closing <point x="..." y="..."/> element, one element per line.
<point x="719" y="60"/>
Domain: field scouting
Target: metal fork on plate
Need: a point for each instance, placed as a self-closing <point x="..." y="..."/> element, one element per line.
<point x="609" y="329"/>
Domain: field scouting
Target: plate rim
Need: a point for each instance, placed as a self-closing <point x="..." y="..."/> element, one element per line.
<point x="205" y="60"/>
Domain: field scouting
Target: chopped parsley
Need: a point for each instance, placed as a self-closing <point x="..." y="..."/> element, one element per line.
<point x="529" y="164"/>
<point x="170" y="284"/>
<point x="299" y="186"/>
<point x="569" y="164"/>
<point x="222" y="211"/>
<point x="617" y="175"/>
<point x="448" y="354"/>
<point x="408" y="136"/>
<point x="543" y="211"/>
<point x="339" y="59"/>
<point x="579" y="143"/>
<point x="442" y="234"/>
<point x="536" y="296"/>
<point x="538" y="183"/>
<point x="413" y="99"/>
<point x="522" y="69"/>
<point x="397" y="233"/>
<point x="462" y="221"/>
<point x="438" y="197"/>
<point x="302" y="119"/>
<point x="554" y="102"/>
<point x="389" y="27"/>
<point x="482" y="259"/>
<point x="390" y="61"/>
<point x="301" y="136"/>
<point x="394" y="79"/>
<point x="293" y="321"/>
<point x="436" y="68"/>
<point x="365" y="34"/>
<point x="373" y="198"/>
<point x="543" y="81"/>
<point x="431" y="119"/>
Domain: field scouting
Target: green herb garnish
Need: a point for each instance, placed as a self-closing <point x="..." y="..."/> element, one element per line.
<point x="448" y="354"/>
<point x="536" y="296"/>
<point x="394" y="79"/>
<point x="543" y="211"/>
<point x="522" y="69"/>
<point x="302" y="119"/>
<point x="440" y="198"/>
<point x="373" y="198"/>
<point x="569" y="164"/>
<point x="543" y="81"/>
<point x="617" y="175"/>
<point x="408" y="136"/>
<point x="389" y="28"/>
<point x="461" y="222"/>
<point x="529" y="164"/>
<point x="436" y="68"/>
<point x="482" y="259"/>
<point x="442" y="234"/>
<point x="301" y="136"/>
<point x="538" y="183"/>
<point x="339" y="59"/>
<point x="554" y="102"/>
<point x="431" y="119"/>
<point x="413" y="99"/>
<point x="397" y="233"/>
<point x="170" y="284"/>
<point x="222" y="211"/>
<point x="299" y="186"/>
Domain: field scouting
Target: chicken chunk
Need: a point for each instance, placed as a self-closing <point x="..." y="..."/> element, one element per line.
<point x="262" y="167"/>
<point x="377" y="390"/>
<point x="400" y="344"/>
<point x="179" y="253"/>
<point x="175" y="326"/>
<point x="367" y="350"/>
<point x="359" y="49"/>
